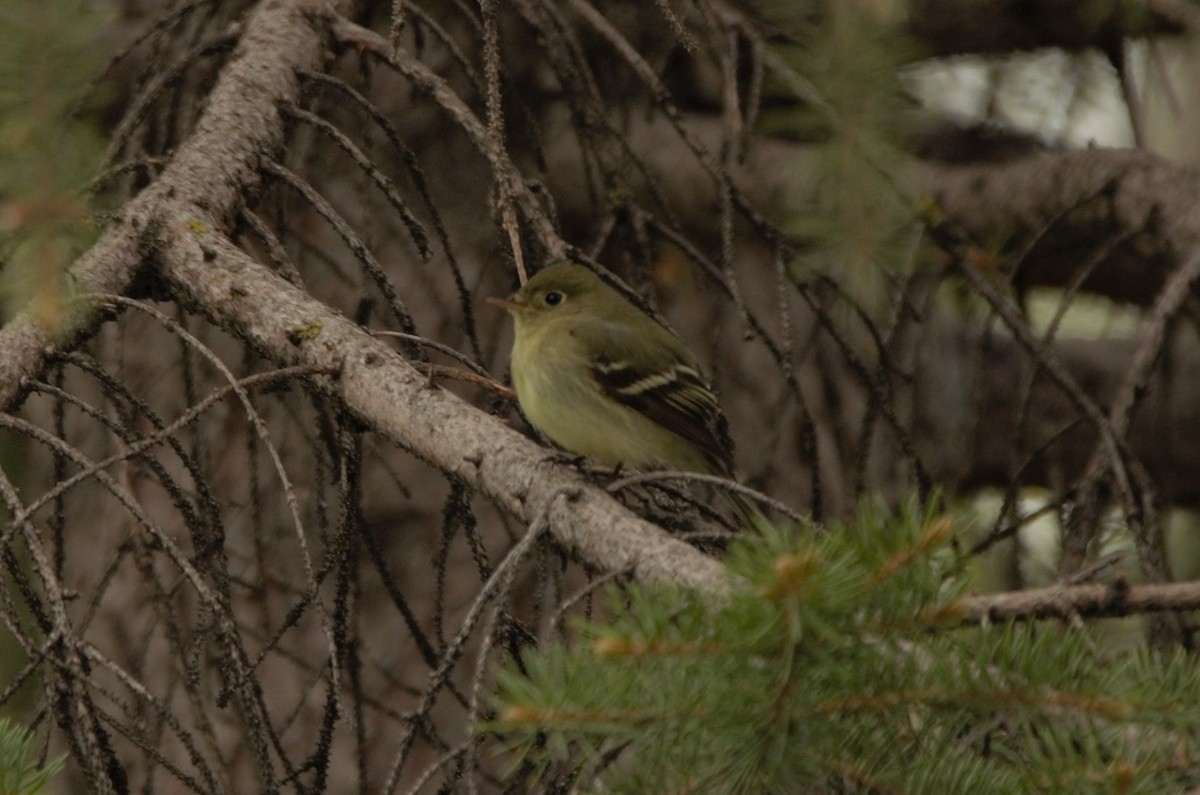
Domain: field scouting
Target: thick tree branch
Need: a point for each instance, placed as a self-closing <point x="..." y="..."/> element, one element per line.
<point x="1128" y="216"/>
<point x="957" y="27"/>
<point x="1059" y="210"/>
<point x="212" y="171"/>
<point x="1089" y="600"/>
<point x="176" y="223"/>
<point x="393" y="398"/>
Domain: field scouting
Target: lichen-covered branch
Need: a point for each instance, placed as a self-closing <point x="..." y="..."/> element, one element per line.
<point x="398" y="401"/>
<point x="212" y="172"/>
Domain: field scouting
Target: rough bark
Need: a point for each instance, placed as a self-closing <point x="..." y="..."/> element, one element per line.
<point x="397" y="401"/>
<point x="212" y="172"/>
<point x="958" y="27"/>
<point x="1121" y="218"/>
<point x="1070" y="602"/>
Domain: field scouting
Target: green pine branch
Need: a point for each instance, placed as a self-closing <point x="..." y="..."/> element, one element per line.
<point x="841" y="670"/>
<point x="47" y="150"/>
<point x="20" y="773"/>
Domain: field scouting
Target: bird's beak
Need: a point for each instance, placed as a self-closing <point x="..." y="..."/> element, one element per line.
<point x="508" y="304"/>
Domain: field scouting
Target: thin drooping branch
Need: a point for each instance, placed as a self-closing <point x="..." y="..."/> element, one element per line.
<point x="209" y="175"/>
<point x="1141" y="516"/>
<point x="969" y="444"/>
<point x="425" y="79"/>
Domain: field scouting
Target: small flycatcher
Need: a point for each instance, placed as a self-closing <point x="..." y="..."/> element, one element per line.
<point x="602" y="378"/>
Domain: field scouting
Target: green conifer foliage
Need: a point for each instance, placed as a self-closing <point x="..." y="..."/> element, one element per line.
<point x="20" y="773"/>
<point x="48" y="57"/>
<point x="843" y="665"/>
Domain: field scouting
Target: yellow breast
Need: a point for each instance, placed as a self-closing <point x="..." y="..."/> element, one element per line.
<point x="552" y="376"/>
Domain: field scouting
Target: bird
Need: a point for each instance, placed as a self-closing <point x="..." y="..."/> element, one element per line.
<point x="602" y="378"/>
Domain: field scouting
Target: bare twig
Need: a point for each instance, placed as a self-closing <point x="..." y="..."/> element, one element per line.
<point x="1089" y="600"/>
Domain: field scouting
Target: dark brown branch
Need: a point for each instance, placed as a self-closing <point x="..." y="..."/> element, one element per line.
<point x="1130" y="216"/>
<point x="1058" y="208"/>
<point x="1089" y="600"/>
<point x="1141" y="516"/>
<point x="971" y="421"/>
<point x="957" y="27"/>
<point x="437" y="87"/>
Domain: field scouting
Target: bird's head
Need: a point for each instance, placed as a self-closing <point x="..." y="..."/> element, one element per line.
<point x="557" y="291"/>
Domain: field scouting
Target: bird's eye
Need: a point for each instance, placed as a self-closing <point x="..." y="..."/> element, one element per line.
<point x="554" y="298"/>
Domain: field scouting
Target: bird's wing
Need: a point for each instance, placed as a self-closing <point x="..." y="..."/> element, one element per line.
<point x="661" y="381"/>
